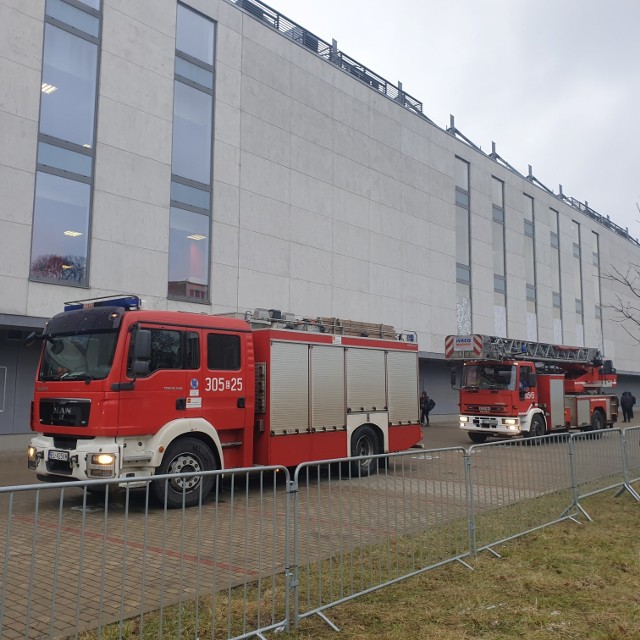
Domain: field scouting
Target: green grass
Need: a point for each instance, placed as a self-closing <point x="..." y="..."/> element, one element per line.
<point x="564" y="581"/>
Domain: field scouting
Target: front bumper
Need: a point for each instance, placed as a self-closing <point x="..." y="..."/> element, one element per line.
<point x="88" y="460"/>
<point x="492" y="425"/>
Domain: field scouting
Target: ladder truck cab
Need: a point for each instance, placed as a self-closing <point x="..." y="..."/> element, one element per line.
<point x="125" y="392"/>
<point x="517" y="387"/>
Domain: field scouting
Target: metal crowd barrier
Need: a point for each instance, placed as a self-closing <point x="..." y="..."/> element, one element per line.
<point x="359" y="533"/>
<point x="75" y="561"/>
<point x="267" y="549"/>
<point x="518" y="486"/>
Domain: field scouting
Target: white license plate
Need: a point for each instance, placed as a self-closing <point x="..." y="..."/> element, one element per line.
<point x="59" y="455"/>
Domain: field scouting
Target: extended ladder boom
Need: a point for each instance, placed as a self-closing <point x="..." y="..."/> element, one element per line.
<point x="478" y="346"/>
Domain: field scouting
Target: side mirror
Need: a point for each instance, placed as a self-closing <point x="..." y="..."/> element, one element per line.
<point x="607" y="367"/>
<point x="30" y="339"/>
<point x="142" y="345"/>
<point x="141" y="353"/>
<point x="453" y="378"/>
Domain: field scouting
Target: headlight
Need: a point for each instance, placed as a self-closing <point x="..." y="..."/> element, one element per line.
<point x="32" y="454"/>
<point x="510" y="421"/>
<point x="101" y="465"/>
<point x="464" y="419"/>
<point x="103" y="458"/>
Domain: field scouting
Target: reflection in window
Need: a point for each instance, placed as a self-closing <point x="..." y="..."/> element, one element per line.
<point x="60" y="229"/>
<point x="190" y="226"/>
<point x="66" y="142"/>
<point x="194" y="35"/>
<point x="191" y="157"/>
<point x="189" y="255"/>
<point x="68" y="87"/>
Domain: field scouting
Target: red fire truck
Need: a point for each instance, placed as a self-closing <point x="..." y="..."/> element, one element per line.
<point x="518" y="387"/>
<point x="123" y="392"/>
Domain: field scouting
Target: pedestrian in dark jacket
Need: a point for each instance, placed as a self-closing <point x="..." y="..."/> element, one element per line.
<point x="627" y="400"/>
<point x="426" y="404"/>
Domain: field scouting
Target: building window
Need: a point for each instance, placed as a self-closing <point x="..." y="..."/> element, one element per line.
<point x="554" y="241"/>
<point x="499" y="258"/>
<point x="596" y="290"/>
<point x="530" y="267"/>
<point x="66" y="143"/>
<point x="463" y="243"/>
<point x="577" y="280"/>
<point x="191" y="158"/>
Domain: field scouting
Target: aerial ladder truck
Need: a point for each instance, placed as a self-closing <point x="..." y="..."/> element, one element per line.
<point x="512" y="387"/>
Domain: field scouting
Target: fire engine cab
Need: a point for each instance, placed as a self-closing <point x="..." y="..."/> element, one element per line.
<point x="124" y="392"/>
<point x="518" y="387"/>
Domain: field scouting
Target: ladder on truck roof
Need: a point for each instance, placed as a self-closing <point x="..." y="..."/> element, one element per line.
<point x="478" y="347"/>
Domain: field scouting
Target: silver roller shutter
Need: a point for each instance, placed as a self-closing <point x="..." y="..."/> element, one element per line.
<point x="289" y="387"/>
<point x="365" y="380"/>
<point x="327" y="395"/>
<point x="402" y="380"/>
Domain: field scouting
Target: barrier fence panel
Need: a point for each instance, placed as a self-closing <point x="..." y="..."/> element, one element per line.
<point x="518" y="486"/>
<point x="355" y="533"/>
<point x="632" y="453"/>
<point x="598" y="461"/>
<point x="75" y="562"/>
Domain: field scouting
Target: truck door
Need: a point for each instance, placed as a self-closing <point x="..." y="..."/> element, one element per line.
<point x="222" y="386"/>
<point x="159" y="395"/>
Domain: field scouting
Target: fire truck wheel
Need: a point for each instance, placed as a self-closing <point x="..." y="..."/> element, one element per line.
<point x="183" y="456"/>
<point x="597" y="421"/>
<point x="364" y="442"/>
<point x="537" y="427"/>
<point x="478" y="438"/>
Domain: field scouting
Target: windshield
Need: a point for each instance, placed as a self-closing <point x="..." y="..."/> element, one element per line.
<point x="489" y="376"/>
<point x="80" y="356"/>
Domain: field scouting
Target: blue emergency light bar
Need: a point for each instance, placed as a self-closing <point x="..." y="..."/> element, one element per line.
<point x="128" y="302"/>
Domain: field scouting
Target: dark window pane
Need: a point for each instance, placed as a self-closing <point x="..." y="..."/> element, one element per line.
<point x="192" y="112"/>
<point x="578" y="306"/>
<point x="557" y="300"/>
<point x="64" y="159"/>
<point x="194" y="73"/>
<point x="555" y="240"/>
<point x="462" y="198"/>
<point x="190" y="195"/>
<point x="193" y="351"/>
<point x="499" y="284"/>
<point x="528" y="228"/>
<point x="74" y="17"/>
<point x="531" y="292"/>
<point x="223" y="352"/>
<point x="498" y="214"/>
<point x="68" y="87"/>
<point x="165" y="350"/>
<point x="60" y="229"/>
<point x="189" y="243"/>
<point x="194" y="35"/>
<point x="463" y="274"/>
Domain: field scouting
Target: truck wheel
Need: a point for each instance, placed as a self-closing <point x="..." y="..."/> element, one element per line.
<point x="478" y="438"/>
<point x="597" y="420"/>
<point x="536" y="428"/>
<point x="364" y="442"/>
<point x="183" y="456"/>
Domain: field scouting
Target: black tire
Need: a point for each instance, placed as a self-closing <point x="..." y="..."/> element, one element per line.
<point x="597" y="421"/>
<point x="364" y="442"/>
<point x="477" y="438"/>
<point x="183" y="456"/>
<point x="537" y="427"/>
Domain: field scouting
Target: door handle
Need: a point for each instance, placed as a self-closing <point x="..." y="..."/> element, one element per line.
<point x="240" y="403"/>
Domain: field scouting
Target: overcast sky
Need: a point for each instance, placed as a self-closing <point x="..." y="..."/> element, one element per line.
<point x="555" y="83"/>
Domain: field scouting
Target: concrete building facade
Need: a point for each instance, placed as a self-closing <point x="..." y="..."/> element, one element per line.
<point x="213" y="156"/>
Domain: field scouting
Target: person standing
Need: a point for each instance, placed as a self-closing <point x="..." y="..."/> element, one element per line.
<point x="626" y="404"/>
<point x="424" y="411"/>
